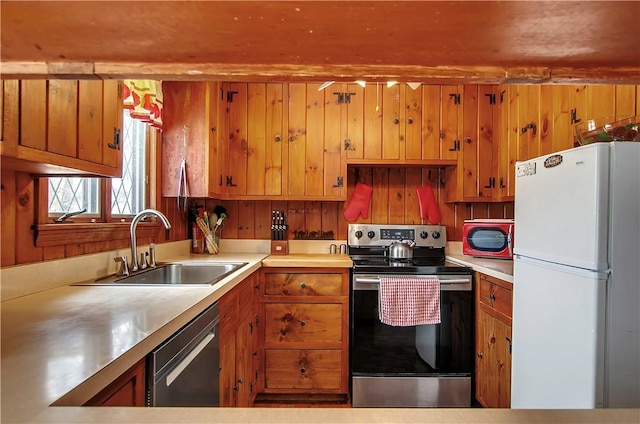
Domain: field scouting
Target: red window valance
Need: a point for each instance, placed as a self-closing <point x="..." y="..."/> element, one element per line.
<point x="144" y="99"/>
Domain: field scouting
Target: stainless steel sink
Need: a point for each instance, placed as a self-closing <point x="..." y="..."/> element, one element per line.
<point x="186" y="274"/>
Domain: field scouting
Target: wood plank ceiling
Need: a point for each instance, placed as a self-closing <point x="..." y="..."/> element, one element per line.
<point x="423" y="41"/>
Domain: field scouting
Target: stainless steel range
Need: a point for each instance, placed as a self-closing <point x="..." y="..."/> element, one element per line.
<point x="416" y="366"/>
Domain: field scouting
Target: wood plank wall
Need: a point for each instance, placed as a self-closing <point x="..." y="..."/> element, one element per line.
<point x="19" y="191"/>
<point x="393" y="201"/>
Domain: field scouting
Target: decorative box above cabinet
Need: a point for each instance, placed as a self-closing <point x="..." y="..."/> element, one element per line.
<point x="62" y="127"/>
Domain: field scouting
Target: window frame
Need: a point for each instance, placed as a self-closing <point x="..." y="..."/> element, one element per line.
<point x="105" y="190"/>
<point x="108" y="228"/>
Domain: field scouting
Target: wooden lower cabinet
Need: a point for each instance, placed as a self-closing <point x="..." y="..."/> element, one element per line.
<point x="493" y="341"/>
<point x="305" y="337"/>
<point x="126" y="390"/>
<point x="240" y="375"/>
<point x="303" y="369"/>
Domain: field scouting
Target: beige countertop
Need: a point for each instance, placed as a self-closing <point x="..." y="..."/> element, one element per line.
<point x="64" y="344"/>
<point x="308" y="260"/>
<point x="499" y="268"/>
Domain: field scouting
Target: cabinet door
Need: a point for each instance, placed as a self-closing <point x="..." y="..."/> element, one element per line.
<point x="62" y="127"/>
<point x="216" y="151"/>
<point x="528" y="122"/>
<point x="493" y="341"/>
<point x="186" y="134"/>
<point x="335" y="130"/>
<point x="493" y="362"/>
<point x="391" y="120"/>
<point x="126" y="390"/>
<point x="255" y="142"/>
<point x="317" y="161"/>
<point x="372" y="140"/>
<point x="626" y="101"/>
<point x="243" y="366"/>
<point x="228" y="386"/>
<point x="431" y="145"/>
<point x="451" y="121"/>
<point x="470" y="143"/>
<point x="112" y="124"/>
<point x="352" y="124"/>
<point x="504" y="150"/>
<point x="601" y="103"/>
<point x="414" y="149"/>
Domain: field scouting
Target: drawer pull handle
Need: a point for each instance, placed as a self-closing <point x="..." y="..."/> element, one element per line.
<point x="302" y="323"/>
<point x="303" y="285"/>
<point x="303" y="369"/>
<point x="492" y="296"/>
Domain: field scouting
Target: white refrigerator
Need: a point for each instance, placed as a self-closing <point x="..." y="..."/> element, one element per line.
<point x="576" y="281"/>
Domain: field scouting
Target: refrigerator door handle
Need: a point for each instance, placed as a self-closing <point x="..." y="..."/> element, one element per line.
<point x="510" y="240"/>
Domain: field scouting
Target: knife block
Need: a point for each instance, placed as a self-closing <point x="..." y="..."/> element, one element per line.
<point x="279" y="247"/>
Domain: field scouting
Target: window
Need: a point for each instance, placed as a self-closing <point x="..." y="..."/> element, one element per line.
<point x="126" y="195"/>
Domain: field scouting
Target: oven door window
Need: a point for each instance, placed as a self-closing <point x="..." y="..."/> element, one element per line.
<point x="445" y="348"/>
<point x="488" y="239"/>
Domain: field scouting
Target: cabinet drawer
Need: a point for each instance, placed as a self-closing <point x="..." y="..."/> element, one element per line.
<point x="303" y="369"/>
<point x="496" y="296"/>
<point x="285" y="284"/>
<point x="303" y="322"/>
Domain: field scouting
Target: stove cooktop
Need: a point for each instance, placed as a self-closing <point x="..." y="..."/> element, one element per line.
<point x="369" y="248"/>
<point x="426" y="266"/>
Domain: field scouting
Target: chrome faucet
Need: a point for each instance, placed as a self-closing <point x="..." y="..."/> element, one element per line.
<point x="134" y="224"/>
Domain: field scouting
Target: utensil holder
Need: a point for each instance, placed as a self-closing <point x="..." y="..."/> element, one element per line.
<point x="279" y="247"/>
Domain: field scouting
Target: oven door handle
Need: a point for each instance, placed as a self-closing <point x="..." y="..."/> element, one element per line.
<point x="376" y="280"/>
<point x="446" y="284"/>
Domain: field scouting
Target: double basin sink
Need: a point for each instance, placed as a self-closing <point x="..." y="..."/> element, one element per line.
<point x="180" y="274"/>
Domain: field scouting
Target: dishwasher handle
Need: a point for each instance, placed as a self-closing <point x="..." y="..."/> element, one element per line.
<point x="175" y="373"/>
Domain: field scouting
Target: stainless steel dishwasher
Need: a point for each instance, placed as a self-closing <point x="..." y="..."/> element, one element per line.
<point x="184" y="370"/>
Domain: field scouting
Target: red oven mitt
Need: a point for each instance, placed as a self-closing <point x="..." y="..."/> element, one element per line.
<point x="359" y="203"/>
<point x="428" y="205"/>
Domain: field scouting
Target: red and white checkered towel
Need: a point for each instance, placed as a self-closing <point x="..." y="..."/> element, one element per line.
<point x="406" y="301"/>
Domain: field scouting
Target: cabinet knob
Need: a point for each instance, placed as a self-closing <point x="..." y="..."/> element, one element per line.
<point x="278" y="138"/>
<point x="479" y="355"/>
<point x="492" y="296"/>
<point x="396" y="121"/>
<point x="303" y="369"/>
<point x="292" y="138"/>
<point x="410" y="121"/>
<point x="303" y="285"/>
<point x="302" y="323"/>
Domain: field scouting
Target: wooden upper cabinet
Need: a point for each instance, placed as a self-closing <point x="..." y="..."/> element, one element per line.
<point x="316" y="167"/>
<point x="253" y="140"/>
<point x="403" y="126"/>
<point x="190" y="131"/>
<point x="62" y="127"/>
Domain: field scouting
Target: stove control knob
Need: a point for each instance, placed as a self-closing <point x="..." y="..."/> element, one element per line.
<point x="371" y="234"/>
<point x="358" y="234"/>
<point x="424" y="234"/>
<point x="435" y="235"/>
